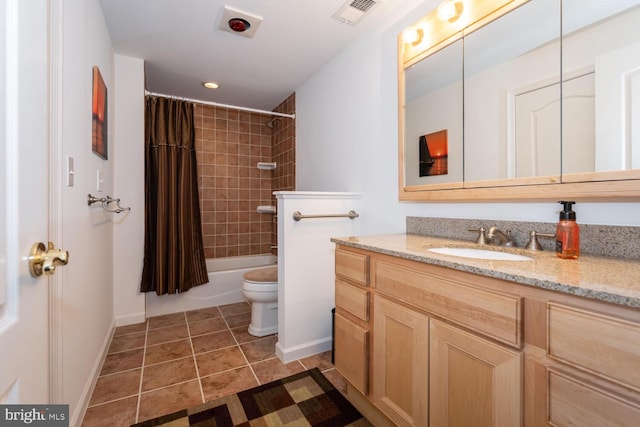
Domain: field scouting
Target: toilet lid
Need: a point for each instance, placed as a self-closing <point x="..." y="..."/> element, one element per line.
<point x="262" y="275"/>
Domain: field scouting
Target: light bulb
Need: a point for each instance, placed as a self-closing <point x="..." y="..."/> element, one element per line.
<point x="449" y="10"/>
<point x="412" y="35"/>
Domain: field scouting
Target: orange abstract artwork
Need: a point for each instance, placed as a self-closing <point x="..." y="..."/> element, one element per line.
<point x="99" y="115"/>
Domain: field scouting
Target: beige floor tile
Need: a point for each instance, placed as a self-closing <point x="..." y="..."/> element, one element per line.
<point x="169" y="399"/>
<point x="167" y="320"/>
<point x="336" y="379"/>
<point x="237" y="320"/>
<point x="138" y="327"/>
<point x="116" y="386"/>
<point x="119" y="413"/>
<point x="237" y="308"/>
<point x="321" y="361"/>
<point x="167" y="351"/>
<point x="274" y="369"/>
<point x="170" y="333"/>
<point x="242" y="335"/>
<point x="168" y="373"/>
<point x="214" y="341"/>
<point x="124" y="361"/>
<point x="217" y="361"/>
<point x="207" y="326"/>
<point x="203" y="314"/>
<point x="169" y="376"/>
<point x="127" y="342"/>
<point x="263" y="349"/>
<point x="222" y="384"/>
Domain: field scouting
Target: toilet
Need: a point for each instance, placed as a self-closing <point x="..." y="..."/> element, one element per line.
<point x="260" y="288"/>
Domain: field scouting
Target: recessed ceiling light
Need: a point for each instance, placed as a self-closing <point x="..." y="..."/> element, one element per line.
<point x="211" y="85"/>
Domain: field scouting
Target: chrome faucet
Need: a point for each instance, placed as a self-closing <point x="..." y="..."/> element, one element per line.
<point x="498" y="237"/>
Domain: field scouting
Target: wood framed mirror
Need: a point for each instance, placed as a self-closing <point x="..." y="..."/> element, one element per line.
<point x="523" y="122"/>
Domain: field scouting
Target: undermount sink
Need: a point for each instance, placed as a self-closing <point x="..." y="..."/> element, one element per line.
<point x="480" y="254"/>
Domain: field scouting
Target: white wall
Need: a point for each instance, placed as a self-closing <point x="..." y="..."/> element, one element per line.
<point x="306" y="273"/>
<point x="347" y="140"/>
<point x="128" y="160"/>
<point x="87" y="232"/>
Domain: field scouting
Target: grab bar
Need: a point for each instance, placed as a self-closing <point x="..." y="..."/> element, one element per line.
<point x="298" y="216"/>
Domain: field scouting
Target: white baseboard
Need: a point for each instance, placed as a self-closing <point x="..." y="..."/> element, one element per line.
<point x="310" y="348"/>
<point x="87" y="391"/>
<point x="131" y="319"/>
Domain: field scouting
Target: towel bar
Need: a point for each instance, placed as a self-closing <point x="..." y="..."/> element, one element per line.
<point x="352" y="214"/>
<point x="106" y="201"/>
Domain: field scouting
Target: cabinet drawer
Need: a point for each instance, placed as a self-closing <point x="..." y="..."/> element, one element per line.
<point x="352" y="266"/>
<point x="351" y="353"/>
<point x="352" y="299"/>
<point x="494" y="314"/>
<point x="605" y="345"/>
<point x="572" y="402"/>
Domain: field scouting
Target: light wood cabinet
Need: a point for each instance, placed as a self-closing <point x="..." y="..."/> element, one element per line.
<point x="473" y="382"/>
<point x="352" y="352"/>
<point x="430" y="346"/>
<point x="400" y="363"/>
<point x="351" y="322"/>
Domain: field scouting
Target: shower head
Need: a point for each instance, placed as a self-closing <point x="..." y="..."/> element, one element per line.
<point x="272" y="122"/>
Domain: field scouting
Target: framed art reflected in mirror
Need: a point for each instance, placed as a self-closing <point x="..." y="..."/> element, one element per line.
<point x="434" y="154"/>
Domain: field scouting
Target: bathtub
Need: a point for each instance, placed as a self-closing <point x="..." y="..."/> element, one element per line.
<point x="224" y="287"/>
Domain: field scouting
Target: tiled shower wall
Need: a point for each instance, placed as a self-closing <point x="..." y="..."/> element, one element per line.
<point x="229" y="144"/>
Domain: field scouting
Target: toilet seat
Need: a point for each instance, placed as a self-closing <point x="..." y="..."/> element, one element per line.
<point x="267" y="275"/>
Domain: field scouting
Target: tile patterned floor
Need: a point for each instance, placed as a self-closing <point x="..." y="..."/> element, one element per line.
<point x="179" y="360"/>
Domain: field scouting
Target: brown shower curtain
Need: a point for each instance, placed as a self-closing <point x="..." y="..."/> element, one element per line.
<point x="174" y="258"/>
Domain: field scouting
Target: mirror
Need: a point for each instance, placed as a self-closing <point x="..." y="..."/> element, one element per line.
<point x="601" y="85"/>
<point x="506" y="77"/>
<point x="512" y="96"/>
<point x="434" y="139"/>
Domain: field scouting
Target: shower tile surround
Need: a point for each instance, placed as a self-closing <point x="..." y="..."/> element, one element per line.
<point x="598" y="240"/>
<point x="229" y="144"/>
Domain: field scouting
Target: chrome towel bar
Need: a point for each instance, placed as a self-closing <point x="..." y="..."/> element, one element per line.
<point x="106" y="202"/>
<point x="298" y="216"/>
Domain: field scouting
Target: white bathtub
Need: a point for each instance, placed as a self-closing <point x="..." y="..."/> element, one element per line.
<point x="224" y="287"/>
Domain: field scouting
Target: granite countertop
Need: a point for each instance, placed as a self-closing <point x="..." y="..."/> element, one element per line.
<point x="606" y="279"/>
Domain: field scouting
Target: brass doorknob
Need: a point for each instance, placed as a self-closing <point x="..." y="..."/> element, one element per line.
<point x="44" y="259"/>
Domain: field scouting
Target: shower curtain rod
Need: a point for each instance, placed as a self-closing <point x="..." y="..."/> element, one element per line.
<point x="216" y="104"/>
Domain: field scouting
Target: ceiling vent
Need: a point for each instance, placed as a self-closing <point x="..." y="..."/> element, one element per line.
<point x="353" y="10"/>
<point x="238" y="22"/>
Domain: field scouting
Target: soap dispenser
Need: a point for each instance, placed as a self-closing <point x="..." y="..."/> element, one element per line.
<point x="567" y="233"/>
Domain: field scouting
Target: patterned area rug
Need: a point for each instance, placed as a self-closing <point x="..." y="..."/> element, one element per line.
<point x="304" y="399"/>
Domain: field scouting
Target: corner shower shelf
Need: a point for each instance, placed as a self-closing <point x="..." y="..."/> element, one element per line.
<point x="266" y="165"/>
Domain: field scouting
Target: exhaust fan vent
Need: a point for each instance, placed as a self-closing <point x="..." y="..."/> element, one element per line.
<point x="238" y="22"/>
<point x="353" y="10"/>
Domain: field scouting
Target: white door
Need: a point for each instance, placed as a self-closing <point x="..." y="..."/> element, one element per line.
<point x="24" y="133"/>
<point x="538" y="132"/>
<point x="539" y="137"/>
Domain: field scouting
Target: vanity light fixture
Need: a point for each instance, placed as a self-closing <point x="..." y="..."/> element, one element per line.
<point x="210" y="85"/>
<point x="450" y="10"/>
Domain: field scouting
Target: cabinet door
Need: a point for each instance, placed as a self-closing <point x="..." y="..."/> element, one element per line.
<point x="473" y="382"/>
<point x="400" y="363"/>
<point x="351" y="353"/>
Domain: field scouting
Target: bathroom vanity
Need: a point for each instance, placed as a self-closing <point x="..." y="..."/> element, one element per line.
<point x="425" y="338"/>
